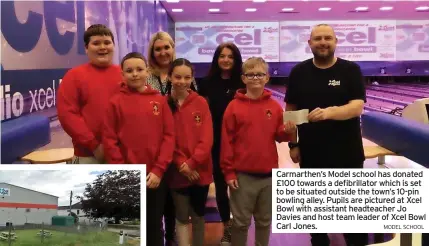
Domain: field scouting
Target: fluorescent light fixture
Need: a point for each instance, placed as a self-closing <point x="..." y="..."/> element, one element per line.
<point x="287" y="9"/>
<point x="214" y="10"/>
<point x="173" y="1"/>
<point x="422" y="8"/>
<point x="177" y="10"/>
<point x="259" y="1"/>
<point x="250" y="10"/>
<point x="386" y="8"/>
<point x="324" y="9"/>
<point x="216" y="1"/>
<point x="361" y="8"/>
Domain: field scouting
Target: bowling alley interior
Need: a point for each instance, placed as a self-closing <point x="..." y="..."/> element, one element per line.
<point x="388" y="40"/>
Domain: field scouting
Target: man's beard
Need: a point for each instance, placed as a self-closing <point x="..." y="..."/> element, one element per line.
<point x="324" y="58"/>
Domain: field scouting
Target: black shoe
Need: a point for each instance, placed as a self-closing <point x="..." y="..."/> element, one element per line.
<point x="226" y="234"/>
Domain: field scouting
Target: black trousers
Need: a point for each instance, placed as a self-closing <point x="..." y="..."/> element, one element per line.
<point x="155" y="198"/>
<point x="169" y="216"/>
<point x="222" y="199"/>
<point x="425" y="239"/>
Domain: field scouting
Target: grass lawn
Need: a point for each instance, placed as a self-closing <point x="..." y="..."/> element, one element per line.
<point x="105" y="238"/>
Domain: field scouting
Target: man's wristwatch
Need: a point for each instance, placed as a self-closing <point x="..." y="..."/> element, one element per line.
<point x="293" y="145"/>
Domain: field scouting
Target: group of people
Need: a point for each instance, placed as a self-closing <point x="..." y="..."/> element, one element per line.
<point x="150" y="110"/>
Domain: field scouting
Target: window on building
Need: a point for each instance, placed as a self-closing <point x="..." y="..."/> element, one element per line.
<point x="27" y="210"/>
<point x="78" y="212"/>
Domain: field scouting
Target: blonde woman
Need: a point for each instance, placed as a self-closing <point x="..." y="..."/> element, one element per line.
<point x="161" y="54"/>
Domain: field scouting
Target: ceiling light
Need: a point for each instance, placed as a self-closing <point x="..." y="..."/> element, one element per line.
<point x="361" y="8"/>
<point x="177" y="10"/>
<point x="386" y="8"/>
<point x="287" y="9"/>
<point x="214" y="10"/>
<point x="173" y="1"/>
<point x="216" y="1"/>
<point x="422" y="8"/>
<point x="324" y="9"/>
<point x="250" y="10"/>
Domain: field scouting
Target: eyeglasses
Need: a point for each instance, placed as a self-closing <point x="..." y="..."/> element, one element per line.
<point x="253" y="76"/>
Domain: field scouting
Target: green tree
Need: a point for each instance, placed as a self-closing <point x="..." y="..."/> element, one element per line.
<point x="114" y="194"/>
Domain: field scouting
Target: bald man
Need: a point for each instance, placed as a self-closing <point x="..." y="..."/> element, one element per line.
<point x="333" y="90"/>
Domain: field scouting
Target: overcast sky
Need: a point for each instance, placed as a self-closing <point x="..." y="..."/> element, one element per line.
<point x="58" y="183"/>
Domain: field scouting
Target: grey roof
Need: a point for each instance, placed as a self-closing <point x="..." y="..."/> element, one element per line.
<point x="28" y="189"/>
<point x="77" y="205"/>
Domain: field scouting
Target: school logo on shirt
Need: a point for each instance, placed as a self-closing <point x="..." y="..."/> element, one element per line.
<point x="197" y="117"/>
<point x="268" y="113"/>
<point x="155" y="107"/>
<point x="334" y="82"/>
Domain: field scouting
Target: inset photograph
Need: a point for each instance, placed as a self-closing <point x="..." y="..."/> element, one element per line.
<point x="70" y="207"/>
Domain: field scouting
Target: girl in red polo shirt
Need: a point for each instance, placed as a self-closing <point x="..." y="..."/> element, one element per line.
<point x="192" y="173"/>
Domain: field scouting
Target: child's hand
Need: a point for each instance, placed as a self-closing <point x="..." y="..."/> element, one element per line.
<point x="233" y="184"/>
<point x="185" y="170"/>
<point x="289" y="127"/>
<point x="152" y="181"/>
<point x="194" y="176"/>
<point x="295" y="155"/>
<point x="99" y="153"/>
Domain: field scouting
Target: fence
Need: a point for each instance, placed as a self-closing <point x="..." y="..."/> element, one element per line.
<point x="46" y="234"/>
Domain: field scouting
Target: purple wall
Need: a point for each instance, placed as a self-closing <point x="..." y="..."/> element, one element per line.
<point x="163" y="20"/>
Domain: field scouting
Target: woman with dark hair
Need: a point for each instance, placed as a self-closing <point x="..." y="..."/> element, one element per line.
<point x="219" y="88"/>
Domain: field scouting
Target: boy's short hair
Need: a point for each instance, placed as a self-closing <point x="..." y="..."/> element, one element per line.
<point x="133" y="55"/>
<point x="253" y="62"/>
<point x="97" y="30"/>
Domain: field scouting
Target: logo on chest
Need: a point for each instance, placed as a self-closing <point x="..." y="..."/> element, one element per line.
<point x="197" y="118"/>
<point x="334" y="82"/>
<point x="155" y="107"/>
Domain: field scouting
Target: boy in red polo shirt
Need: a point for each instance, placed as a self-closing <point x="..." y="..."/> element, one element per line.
<point x="84" y="94"/>
<point x="139" y="129"/>
<point x="252" y="124"/>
